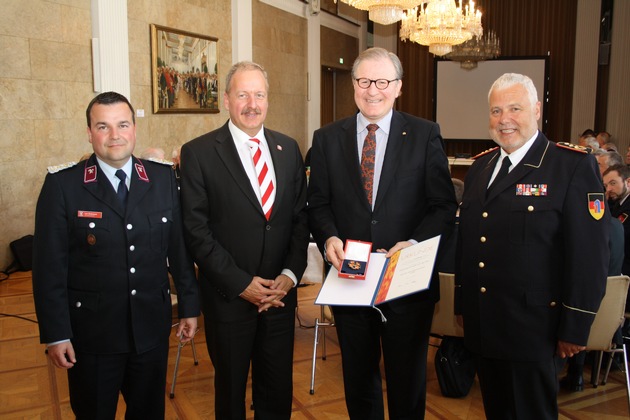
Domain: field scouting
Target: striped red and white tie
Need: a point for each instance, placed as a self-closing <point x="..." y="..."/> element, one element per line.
<point x="264" y="178"/>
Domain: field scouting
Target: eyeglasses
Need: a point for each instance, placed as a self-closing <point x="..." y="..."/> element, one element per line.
<point x="381" y="84"/>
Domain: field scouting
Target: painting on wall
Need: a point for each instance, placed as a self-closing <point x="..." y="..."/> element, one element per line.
<point x="184" y="71"/>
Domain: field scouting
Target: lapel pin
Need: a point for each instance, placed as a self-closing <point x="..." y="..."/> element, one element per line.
<point x="279" y="147"/>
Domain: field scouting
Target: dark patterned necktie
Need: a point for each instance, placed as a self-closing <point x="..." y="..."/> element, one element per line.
<point x="122" y="191"/>
<point x="367" y="161"/>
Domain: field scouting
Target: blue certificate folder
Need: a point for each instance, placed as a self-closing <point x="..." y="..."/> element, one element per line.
<point x="406" y="272"/>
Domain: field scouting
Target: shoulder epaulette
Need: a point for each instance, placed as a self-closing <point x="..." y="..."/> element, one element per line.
<point x="574" y="147"/>
<point x="162" y="161"/>
<point x="57" y="168"/>
<point x="485" y="152"/>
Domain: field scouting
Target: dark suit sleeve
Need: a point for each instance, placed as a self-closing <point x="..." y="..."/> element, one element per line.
<point x="439" y="192"/>
<point x="212" y="258"/>
<point x="296" y="259"/>
<point x="50" y="263"/>
<point x="180" y="262"/>
<point x="321" y="217"/>
<point x="586" y="254"/>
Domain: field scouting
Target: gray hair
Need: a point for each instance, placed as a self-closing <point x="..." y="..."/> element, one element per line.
<point x="377" y="53"/>
<point x="244" y="66"/>
<point x="508" y="80"/>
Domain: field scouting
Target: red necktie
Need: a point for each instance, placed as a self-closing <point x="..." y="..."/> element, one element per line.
<point x="367" y="161"/>
<point x="264" y="178"/>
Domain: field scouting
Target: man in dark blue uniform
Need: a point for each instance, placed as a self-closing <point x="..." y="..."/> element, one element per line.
<point x="532" y="256"/>
<point x="107" y="232"/>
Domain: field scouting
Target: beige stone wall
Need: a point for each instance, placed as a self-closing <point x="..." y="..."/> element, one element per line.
<point x="46" y="83"/>
<point x="280" y="45"/>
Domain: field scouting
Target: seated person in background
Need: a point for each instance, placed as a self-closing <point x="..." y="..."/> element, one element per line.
<point x="617" y="186"/>
<point x="607" y="159"/>
<point x="153" y="152"/>
<point x="585" y="135"/>
<point x="603" y="137"/>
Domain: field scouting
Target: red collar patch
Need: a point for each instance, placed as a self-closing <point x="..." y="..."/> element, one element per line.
<point x="89" y="175"/>
<point x="142" y="173"/>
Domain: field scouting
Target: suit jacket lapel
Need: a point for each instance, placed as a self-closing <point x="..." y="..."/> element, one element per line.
<point x="279" y="166"/>
<point x="486" y="173"/>
<point x="351" y="159"/>
<point x="226" y="150"/>
<point x="397" y="135"/>
<point x="531" y="161"/>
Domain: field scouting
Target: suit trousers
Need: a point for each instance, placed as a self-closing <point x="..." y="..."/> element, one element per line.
<point x="514" y="390"/>
<point x="265" y="341"/>
<point x="96" y="380"/>
<point x="404" y="340"/>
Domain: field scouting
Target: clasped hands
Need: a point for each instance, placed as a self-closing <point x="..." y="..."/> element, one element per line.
<point x="267" y="293"/>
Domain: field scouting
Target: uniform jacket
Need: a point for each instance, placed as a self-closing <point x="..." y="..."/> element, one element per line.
<point x="226" y="230"/>
<point x="100" y="274"/>
<point x="531" y="269"/>
<point x="622" y="213"/>
<point x="415" y="197"/>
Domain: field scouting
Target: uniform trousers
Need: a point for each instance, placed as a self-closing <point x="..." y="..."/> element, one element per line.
<point x="96" y="380"/>
<point x="514" y="390"/>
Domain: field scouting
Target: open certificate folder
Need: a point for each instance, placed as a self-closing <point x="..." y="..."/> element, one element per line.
<point x="407" y="271"/>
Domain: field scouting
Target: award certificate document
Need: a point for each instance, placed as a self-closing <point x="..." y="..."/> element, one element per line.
<point x="407" y="271"/>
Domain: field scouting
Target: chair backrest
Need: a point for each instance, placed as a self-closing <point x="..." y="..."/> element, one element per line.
<point x="610" y="315"/>
<point x="444" y="321"/>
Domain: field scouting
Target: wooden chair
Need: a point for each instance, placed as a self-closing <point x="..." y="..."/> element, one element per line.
<point x="609" y="318"/>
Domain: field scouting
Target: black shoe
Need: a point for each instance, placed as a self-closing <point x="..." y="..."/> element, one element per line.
<point x="572" y="383"/>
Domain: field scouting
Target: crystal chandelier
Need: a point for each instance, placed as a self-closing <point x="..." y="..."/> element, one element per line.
<point x="441" y="24"/>
<point x="384" y="12"/>
<point x="474" y="50"/>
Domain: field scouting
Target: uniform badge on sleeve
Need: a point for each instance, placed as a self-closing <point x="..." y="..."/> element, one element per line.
<point x="596" y="205"/>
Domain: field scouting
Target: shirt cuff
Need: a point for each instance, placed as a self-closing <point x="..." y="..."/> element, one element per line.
<point x="57" y="342"/>
<point x="290" y="275"/>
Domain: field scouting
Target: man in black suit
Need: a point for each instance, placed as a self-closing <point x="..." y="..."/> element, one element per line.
<point x="532" y="256"/>
<point x="100" y="273"/>
<point x="409" y="198"/>
<point x="244" y="201"/>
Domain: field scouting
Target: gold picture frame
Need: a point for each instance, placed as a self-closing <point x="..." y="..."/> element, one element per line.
<point x="184" y="71"/>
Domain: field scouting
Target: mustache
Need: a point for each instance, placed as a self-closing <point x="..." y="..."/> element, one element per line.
<point x="251" y="110"/>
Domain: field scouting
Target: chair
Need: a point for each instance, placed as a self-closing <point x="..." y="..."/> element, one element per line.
<point x="180" y="345"/>
<point x="328" y="320"/>
<point x="608" y="319"/>
<point x="444" y="320"/>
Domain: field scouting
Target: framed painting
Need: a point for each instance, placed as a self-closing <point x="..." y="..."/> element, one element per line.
<point x="184" y="71"/>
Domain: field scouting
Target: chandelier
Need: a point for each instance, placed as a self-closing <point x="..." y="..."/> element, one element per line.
<point x="384" y="12"/>
<point x="441" y="24"/>
<point x="474" y="50"/>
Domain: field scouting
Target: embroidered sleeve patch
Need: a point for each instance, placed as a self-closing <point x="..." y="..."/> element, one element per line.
<point x="596" y="205"/>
